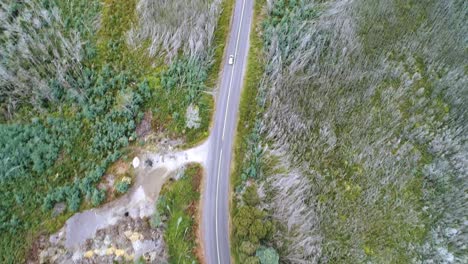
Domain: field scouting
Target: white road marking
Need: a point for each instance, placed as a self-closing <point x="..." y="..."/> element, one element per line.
<point x="232" y="69"/>
<point x="216" y="206"/>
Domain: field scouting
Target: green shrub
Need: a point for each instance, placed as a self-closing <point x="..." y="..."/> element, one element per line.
<point x="155" y="221"/>
<point x="250" y="196"/>
<point x="122" y="187"/>
<point x="182" y="85"/>
<point x="252" y="260"/>
<point x="248" y="248"/>
<point x="250" y="224"/>
<point x="98" y="197"/>
<point x="267" y="255"/>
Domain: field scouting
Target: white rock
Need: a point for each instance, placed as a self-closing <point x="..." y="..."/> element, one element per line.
<point x="101" y="252"/>
<point x="77" y="256"/>
<point x="136" y="162"/>
<point x="142" y="247"/>
<point x="43" y="256"/>
<point x="107" y="240"/>
<point x="54" y="239"/>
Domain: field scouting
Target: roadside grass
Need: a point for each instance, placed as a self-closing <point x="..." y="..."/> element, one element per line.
<point x="248" y="109"/>
<point x="176" y="89"/>
<point x="178" y="203"/>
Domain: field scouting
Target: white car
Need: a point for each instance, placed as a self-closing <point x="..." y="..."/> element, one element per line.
<point x="231" y="59"/>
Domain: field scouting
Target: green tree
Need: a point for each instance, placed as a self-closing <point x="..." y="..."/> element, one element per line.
<point x="250" y="196"/>
<point x="250" y="224"/>
<point x="98" y="197"/>
<point x="252" y="260"/>
<point x="248" y="247"/>
<point x="122" y="187"/>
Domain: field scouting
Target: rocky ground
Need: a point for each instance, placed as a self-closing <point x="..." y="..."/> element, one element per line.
<point x="126" y="241"/>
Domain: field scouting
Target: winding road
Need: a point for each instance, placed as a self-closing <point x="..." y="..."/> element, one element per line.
<point x="215" y="219"/>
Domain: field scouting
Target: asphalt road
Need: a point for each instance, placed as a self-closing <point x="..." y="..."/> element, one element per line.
<point x="215" y="210"/>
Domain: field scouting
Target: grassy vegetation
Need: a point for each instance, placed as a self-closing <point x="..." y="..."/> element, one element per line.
<point x="63" y="156"/>
<point x="358" y="135"/>
<point x="71" y="92"/>
<point x="178" y="204"/>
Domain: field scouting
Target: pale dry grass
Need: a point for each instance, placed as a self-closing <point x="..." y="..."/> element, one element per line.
<point x="173" y="26"/>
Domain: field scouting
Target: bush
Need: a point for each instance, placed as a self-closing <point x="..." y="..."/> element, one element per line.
<point x="73" y="199"/>
<point x="252" y="260"/>
<point x="250" y="224"/>
<point x="35" y="46"/>
<point x="122" y="187"/>
<point x="267" y="255"/>
<point x="248" y="248"/>
<point x="182" y="87"/>
<point x="250" y="196"/>
<point x="98" y="197"/>
<point x="174" y="27"/>
<point x="155" y="221"/>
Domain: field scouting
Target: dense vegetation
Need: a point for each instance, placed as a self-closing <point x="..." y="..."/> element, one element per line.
<point x="74" y="84"/>
<point x="360" y="142"/>
<point x="178" y="208"/>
